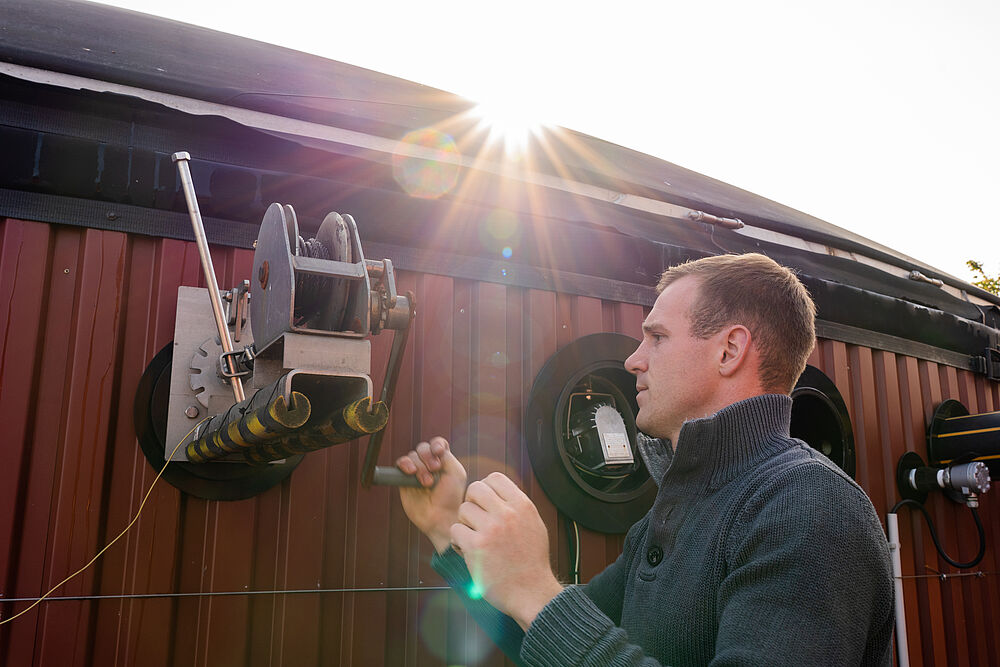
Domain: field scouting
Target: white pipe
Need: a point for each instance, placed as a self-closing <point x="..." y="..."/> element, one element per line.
<point x="902" y="651"/>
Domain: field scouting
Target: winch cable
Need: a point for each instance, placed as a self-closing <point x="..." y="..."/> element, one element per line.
<point x="118" y="537"/>
<point x="937" y="543"/>
<point x="309" y="290"/>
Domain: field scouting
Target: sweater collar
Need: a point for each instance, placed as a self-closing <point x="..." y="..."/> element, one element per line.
<point x="718" y="448"/>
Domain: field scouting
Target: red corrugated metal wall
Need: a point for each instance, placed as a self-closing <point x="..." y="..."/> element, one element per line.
<point x="83" y="311"/>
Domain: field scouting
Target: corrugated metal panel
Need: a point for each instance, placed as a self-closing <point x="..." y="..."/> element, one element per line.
<point x="83" y="311"/>
<point x="891" y="398"/>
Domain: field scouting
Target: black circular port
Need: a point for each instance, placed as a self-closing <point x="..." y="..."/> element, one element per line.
<point x="820" y="418"/>
<point x="211" y="481"/>
<point x="581" y="435"/>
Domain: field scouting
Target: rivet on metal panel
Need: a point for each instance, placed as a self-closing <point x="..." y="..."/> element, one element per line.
<point x="112" y="215"/>
<point x="191" y="411"/>
<point x="262" y="274"/>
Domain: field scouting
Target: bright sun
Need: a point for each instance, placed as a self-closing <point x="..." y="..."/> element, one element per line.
<point x="508" y="120"/>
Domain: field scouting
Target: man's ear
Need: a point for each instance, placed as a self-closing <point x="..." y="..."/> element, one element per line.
<point x="736" y="344"/>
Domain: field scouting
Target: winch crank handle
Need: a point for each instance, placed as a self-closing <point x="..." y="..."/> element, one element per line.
<point x="399" y="338"/>
<point x="393" y="476"/>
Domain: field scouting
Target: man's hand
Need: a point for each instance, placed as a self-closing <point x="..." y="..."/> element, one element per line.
<point x="433" y="508"/>
<point x="506" y="547"/>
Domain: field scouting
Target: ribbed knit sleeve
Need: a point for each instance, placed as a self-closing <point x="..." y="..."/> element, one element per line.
<point x="502" y="629"/>
<point x="571" y="630"/>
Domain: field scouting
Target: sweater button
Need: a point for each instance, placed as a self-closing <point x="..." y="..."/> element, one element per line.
<point x="654" y="555"/>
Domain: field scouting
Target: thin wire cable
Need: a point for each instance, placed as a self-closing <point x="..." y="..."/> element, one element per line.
<point x="576" y="551"/>
<point x="945" y="576"/>
<point x="108" y="545"/>
<point x="208" y="594"/>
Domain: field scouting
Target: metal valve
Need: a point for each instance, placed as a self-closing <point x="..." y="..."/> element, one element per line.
<point x="962" y="482"/>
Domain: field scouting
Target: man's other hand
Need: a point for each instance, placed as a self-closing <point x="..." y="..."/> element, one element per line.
<point x="506" y="547"/>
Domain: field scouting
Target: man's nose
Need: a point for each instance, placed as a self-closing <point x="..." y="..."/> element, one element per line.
<point x="635" y="363"/>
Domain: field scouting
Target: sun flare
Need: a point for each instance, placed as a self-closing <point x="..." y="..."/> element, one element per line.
<point x="508" y="120"/>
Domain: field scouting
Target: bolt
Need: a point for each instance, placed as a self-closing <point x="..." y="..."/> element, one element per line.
<point x="191" y="411"/>
<point x="262" y="274"/>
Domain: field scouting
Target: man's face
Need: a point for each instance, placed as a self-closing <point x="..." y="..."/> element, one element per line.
<point x="675" y="372"/>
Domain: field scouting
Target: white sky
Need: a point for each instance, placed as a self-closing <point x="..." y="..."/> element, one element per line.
<point x="880" y="116"/>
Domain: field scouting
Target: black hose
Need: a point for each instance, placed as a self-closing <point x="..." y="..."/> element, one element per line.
<point x="937" y="543"/>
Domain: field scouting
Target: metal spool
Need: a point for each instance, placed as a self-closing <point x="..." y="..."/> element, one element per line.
<point x="321" y="302"/>
<point x="317" y="285"/>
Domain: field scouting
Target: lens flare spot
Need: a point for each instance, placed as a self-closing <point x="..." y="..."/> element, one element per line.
<point x="501" y="232"/>
<point x="499" y="360"/>
<point x="426" y="163"/>
<point x="433" y="623"/>
<point x="502" y="224"/>
<point x="475" y="591"/>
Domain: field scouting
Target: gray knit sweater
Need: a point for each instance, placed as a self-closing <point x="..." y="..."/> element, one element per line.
<point x="757" y="551"/>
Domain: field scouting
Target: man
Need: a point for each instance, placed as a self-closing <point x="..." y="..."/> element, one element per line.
<point x="757" y="550"/>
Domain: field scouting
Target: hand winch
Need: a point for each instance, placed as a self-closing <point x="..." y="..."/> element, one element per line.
<point x="300" y="380"/>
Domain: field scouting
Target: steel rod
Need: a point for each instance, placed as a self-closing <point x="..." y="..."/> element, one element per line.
<point x="187" y="184"/>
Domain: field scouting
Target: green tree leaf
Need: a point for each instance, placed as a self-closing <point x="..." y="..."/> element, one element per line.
<point x="988" y="283"/>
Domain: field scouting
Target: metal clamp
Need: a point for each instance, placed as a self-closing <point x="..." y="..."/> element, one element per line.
<point x="993" y="363"/>
<point x="237" y="306"/>
<point x="237" y="364"/>
<point x="988" y="364"/>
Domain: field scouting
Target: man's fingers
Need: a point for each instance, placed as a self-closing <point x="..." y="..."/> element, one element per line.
<point x="412" y="464"/>
<point x="484" y="496"/>
<point x="450" y="465"/>
<point x="438" y="445"/>
<point x="461" y="536"/>
<point x="431" y="460"/>
<point x="472" y="515"/>
<point x="406" y="465"/>
<point x="503" y="486"/>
